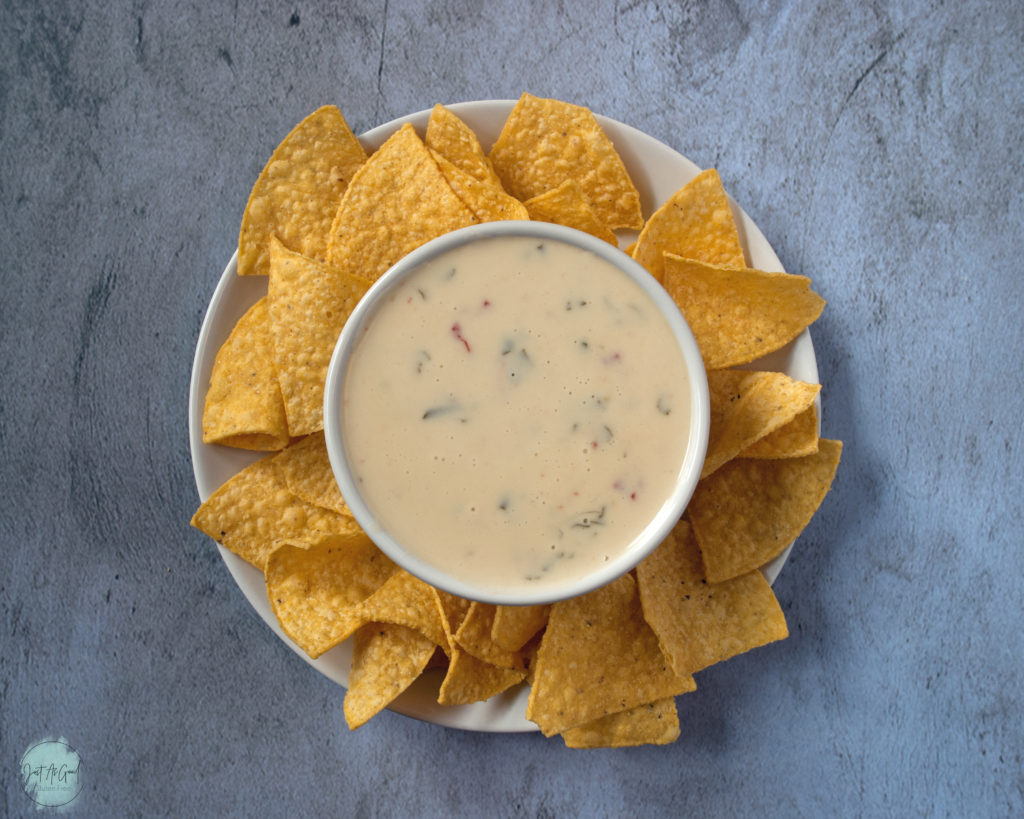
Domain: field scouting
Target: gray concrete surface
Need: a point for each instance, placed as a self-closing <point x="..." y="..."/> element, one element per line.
<point x="879" y="147"/>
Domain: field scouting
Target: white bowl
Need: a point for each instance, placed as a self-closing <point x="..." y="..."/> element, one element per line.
<point x="448" y="577"/>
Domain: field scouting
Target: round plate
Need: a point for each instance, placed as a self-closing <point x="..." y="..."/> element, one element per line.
<point x="657" y="171"/>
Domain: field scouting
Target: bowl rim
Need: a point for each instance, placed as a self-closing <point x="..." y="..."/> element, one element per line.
<point x="645" y="542"/>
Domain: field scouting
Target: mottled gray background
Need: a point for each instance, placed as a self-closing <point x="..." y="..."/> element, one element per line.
<point x="879" y="147"/>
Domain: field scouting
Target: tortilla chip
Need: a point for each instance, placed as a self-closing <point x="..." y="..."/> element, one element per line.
<point x="487" y="201"/>
<point x="750" y="510"/>
<point x="695" y="223"/>
<point x="309" y="304"/>
<point x="243" y="404"/>
<point x="455" y="141"/>
<point x="306" y="468"/>
<point x="746" y="406"/>
<point x="700" y="623"/>
<point x="470" y="679"/>
<point x="316" y="591"/>
<point x="513" y="626"/>
<point x="793" y="440"/>
<point x="566" y="205"/>
<point x="655" y="723"/>
<point x="297" y="194"/>
<point x="253" y="512"/>
<point x="407" y="601"/>
<point x="453" y="612"/>
<point x="598" y="656"/>
<point x="474" y="636"/>
<point x="545" y="142"/>
<point x="386" y="659"/>
<point x="396" y="202"/>
<point x="738" y="315"/>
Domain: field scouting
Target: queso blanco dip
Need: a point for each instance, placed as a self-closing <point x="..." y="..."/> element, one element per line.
<point x="516" y="412"/>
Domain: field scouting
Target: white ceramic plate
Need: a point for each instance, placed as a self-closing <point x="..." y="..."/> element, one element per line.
<point x="658" y="171"/>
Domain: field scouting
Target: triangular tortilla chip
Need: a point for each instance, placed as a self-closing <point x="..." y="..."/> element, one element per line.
<point x="243" y="404"/>
<point x="456" y="142"/>
<point x="738" y="315"/>
<point x="488" y="201"/>
<point x="746" y="406"/>
<point x="309" y="304"/>
<point x="307" y="471"/>
<point x="396" y="202"/>
<point x="696" y="223"/>
<point x="546" y="141"/>
<point x="598" y="656"/>
<point x="386" y="660"/>
<point x="566" y="205"/>
<point x="656" y="723"/>
<point x="793" y="440"/>
<point x="253" y="512"/>
<point x="316" y="590"/>
<point x="470" y="679"/>
<point x="750" y="510"/>
<point x="297" y="194"/>
<point x="513" y="626"/>
<point x="700" y="623"/>
<point x="474" y="636"/>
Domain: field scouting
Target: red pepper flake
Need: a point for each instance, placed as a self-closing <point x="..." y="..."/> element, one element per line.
<point x="614" y="358"/>
<point x="632" y="495"/>
<point x="487" y="302"/>
<point x="457" y="332"/>
<point x="593" y="444"/>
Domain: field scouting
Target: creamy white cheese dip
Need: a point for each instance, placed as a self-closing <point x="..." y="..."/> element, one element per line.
<point x="516" y="412"/>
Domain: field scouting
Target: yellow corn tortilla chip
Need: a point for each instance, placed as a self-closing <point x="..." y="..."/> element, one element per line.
<point x="793" y="440"/>
<point x="738" y="315"/>
<point x="455" y="141"/>
<point x="514" y="626"/>
<point x="566" y="205"/>
<point x="598" y="656"/>
<point x="487" y="201"/>
<point x="470" y="679"/>
<point x="316" y="590"/>
<point x="307" y="471"/>
<point x="386" y="659"/>
<point x="243" y="403"/>
<point x="695" y="223"/>
<point x="309" y="304"/>
<point x="253" y="512"/>
<point x="474" y="636"/>
<point x="546" y="141"/>
<point x="453" y="611"/>
<point x="397" y="201"/>
<point x="748" y="511"/>
<point x="407" y="601"/>
<point x="700" y="623"/>
<point x="746" y="406"/>
<point x="655" y="723"/>
<point x="297" y="194"/>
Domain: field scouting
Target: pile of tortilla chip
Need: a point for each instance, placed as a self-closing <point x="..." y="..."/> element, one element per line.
<point x="325" y="220"/>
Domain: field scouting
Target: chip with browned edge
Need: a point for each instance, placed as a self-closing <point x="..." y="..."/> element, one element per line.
<point x="545" y="142"/>
<point x="598" y="656"/>
<point x="738" y="315"/>
<point x="695" y="223"/>
<point x="700" y="623"/>
<point x="297" y="194"/>
<point x="654" y="723"/>
<point x="243" y="403"/>
<point x="748" y="511"/>
<point x="397" y="201"/>
<point x="309" y="304"/>
<point x="746" y="406"/>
